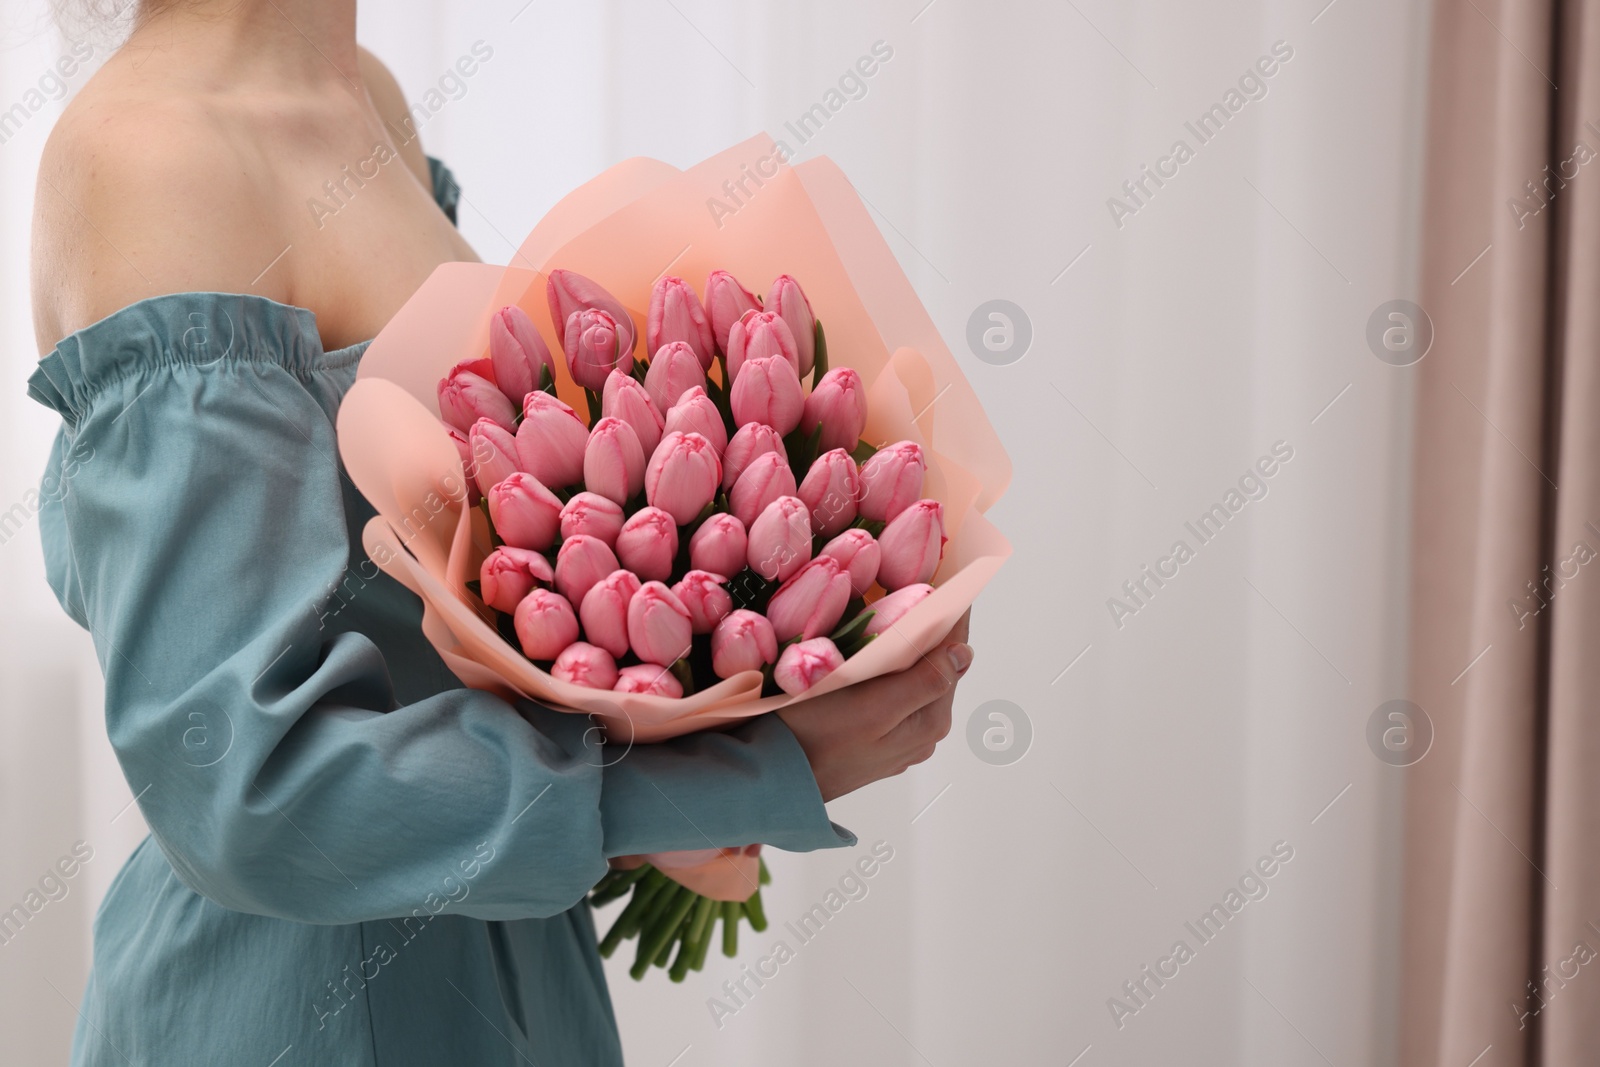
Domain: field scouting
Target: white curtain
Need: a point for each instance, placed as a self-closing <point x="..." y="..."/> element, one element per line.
<point x="1176" y="341"/>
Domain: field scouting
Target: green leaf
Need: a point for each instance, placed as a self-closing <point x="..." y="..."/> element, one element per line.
<point x="852" y="629"/>
<point x="820" y="367"/>
<point x="595" y="407"/>
<point x="547" y="382"/>
<point x="863" y="451"/>
<point x="684" y="674"/>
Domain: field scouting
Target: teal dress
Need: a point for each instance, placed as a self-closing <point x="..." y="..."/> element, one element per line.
<point x="353" y="860"/>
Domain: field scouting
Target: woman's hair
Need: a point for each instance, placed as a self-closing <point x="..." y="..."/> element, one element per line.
<point x="104" y="22"/>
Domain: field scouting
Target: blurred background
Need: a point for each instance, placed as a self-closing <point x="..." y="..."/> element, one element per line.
<point x="1113" y="772"/>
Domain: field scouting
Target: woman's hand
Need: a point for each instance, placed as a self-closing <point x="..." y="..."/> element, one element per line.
<point x="877" y="728"/>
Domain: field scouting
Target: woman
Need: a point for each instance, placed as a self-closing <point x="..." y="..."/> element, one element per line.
<point x="352" y="859"/>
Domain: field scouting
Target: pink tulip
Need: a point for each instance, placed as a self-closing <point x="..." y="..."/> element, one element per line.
<point x="464" y="450"/>
<point x="604" y="611"/>
<point x="545" y="624"/>
<point x="683" y="476"/>
<point x="676" y="315"/>
<point x="831" y="490"/>
<point x="748" y="442"/>
<point x="726" y="303"/>
<point x="658" y="625"/>
<point x="839" y="405"/>
<point x="791" y="305"/>
<point x="518" y="353"/>
<point x="742" y="641"/>
<point x="812" y="602"/>
<point x="594" y="348"/>
<point x="708" y="602"/>
<point x="586" y="665"/>
<point x="648" y="544"/>
<point x="805" y="664"/>
<point x="582" y="562"/>
<point x="890" y="609"/>
<point x="719" y="545"/>
<point x="494" y="454"/>
<point x="912" y="544"/>
<point x="768" y="391"/>
<point x="766" y="479"/>
<point x="674" y="370"/>
<point x="613" y="461"/>
<point x="568" y="292"/>
<point x="524" y="512"/>
<point x="509" y="574"/>
<point x="594" y="515"/>
<point x="761" y="335"/>
<point x="780" y="539"/>
<point x="465" y="397"/>
<point x="891" y="479"/>
<point x="857" y="552"/>
<point x="625" y="399"/>
<point x="551" y="441"/>
<point x="695" y="413"/>
<point x="649" y="679"/>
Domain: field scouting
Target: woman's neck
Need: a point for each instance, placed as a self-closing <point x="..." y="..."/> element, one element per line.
<point x="243" y="44"/>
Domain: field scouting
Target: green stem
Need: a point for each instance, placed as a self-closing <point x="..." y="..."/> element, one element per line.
<point x="731" y="910"/>
<point x="755" y="913"/>
<point x="628" y="922"/>
<point x="659" y="937"/>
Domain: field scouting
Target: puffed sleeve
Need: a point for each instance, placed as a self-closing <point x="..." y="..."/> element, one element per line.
<point x="197" y="536"/>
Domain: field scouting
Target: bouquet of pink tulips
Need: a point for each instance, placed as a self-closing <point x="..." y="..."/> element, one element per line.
<point x="685" y="517"/>
<point x="700" y="526"/>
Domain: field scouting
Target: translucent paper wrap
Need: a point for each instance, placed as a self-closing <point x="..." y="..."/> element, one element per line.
<point x="624" y="229"/>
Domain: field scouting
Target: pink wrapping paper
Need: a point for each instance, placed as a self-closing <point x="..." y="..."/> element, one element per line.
<point x="627" y="227"/>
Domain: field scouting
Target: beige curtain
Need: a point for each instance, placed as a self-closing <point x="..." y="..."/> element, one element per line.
<point x="1501" y="958"/>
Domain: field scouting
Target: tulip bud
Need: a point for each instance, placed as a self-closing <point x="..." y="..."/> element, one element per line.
<point x="761" y="335"/>
<point x="545" y="624"/>
<point x="695" y="413"/>
<point x="673" y="371"/>
<point x="766" y="479"/>
<point x="719" y="545"/>
<point x="586" y="665"/>
<point x="468" y="466"/>
<point x="831" y="490"/>
<point x="857" y="552"/>
<point x="518" y="353"/>
<point x="890" y="609"/>
<point x="676" y="315"/>
<point x="581" y="563"/>
<point x="891" y="479"/>
<point x="649" y="679"/>
<point x="494" y="454"/>
<point x="791" y="305"/>
<point x="742" y="641"/>
<point x="683" y="476"/>
<point x="839" y="405"/>
<point x="812" y="602"/>
<point x="594" y="348"/>
<point x="604" y="611"/>
<point x="912" y="545"/>
<point x="613" y="461"/>
<point x="648" y="544"/>
<point x="525" y="514"/>
<point x="568" y="292"/>
<point x="658" y="625"/>
<point x="805" y="664"/>
<point x="508" y="574"/>
<point x="625" y="399"/>
<point x="707" y="601"/>
<point x="768" y="391"/>
<point x="551" y="440"/>
<point x="780" y="539"/>
<point x="593" y="515"/>
<point x="726" y="303"/>
<point x="465" y="397"/>
<point x="748" y="442"/>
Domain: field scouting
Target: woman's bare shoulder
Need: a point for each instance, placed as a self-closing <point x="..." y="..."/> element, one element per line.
<point x="142" y="192"/>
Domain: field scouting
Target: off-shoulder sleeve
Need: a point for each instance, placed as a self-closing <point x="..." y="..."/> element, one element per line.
<point x="201" y="533"/>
